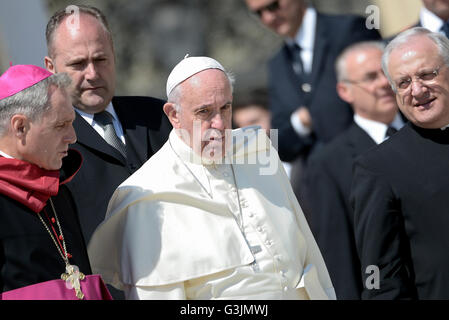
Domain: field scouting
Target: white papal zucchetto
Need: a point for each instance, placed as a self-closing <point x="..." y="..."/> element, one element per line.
<point x="188" y="67"/>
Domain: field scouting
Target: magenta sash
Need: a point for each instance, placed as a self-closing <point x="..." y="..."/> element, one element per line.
<point x="92" y="286"/>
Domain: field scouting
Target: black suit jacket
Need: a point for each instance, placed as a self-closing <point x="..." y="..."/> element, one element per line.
<point x="328" y="185"/>
<point x="400" y="196"/>
<point x="146" y="128"/>
<point x="330" y="115"/>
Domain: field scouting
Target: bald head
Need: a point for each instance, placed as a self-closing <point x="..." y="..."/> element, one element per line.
<point x="81" y="46"/>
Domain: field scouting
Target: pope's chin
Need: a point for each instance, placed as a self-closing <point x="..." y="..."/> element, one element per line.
<point x="214" y="150"/>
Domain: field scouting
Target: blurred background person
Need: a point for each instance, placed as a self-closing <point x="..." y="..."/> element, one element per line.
<point x="361" y="83"/>
<point x="250" y="108"/>
<point x="304" y="103"/>
<point x="434" y="15"/>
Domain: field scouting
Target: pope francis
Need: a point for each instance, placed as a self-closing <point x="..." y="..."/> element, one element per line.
<point x="212" y="215"/>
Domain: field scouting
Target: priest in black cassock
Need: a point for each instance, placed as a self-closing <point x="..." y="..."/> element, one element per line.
<point x="40" y="235"/>
<point x="400" y="190"/>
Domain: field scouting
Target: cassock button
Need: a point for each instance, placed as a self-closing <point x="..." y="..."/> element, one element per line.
<point x="306" y="87"/>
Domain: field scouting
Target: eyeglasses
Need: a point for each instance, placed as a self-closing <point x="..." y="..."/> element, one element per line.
<point x="271" y="7"/>
<point x="425" y="78"/>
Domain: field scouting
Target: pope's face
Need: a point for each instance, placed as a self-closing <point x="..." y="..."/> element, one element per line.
<point x="206" y="112"/>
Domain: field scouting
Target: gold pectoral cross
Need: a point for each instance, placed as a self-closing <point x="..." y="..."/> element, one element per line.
<point x="72" y="278"/>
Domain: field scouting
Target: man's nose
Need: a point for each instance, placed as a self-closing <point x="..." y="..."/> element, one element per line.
<point x="91" y="71"/>
<point x="71" y="136"/>
<point x="217" y="122"/>
<point x="383" y="81"/>
<point x="267" y="17"/>
<point x="418" y="89"/>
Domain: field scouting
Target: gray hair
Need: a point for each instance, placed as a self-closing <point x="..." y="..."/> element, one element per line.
<point x="31" y="102"/>
<point x="61" y="14"/>
<point x="440" y="41"/>
<point x="175" y="95"/>
<point x="340" y="63"/>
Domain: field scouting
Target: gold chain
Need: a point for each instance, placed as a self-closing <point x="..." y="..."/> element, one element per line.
<point x="64" y="257"/>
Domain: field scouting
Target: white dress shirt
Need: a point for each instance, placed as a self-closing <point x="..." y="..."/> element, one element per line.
<point x="377" y="130"/>
<point x="430" y="21"/>
<point x="117" y="126"/>
<point x="305" y="38"/>
<point x="178" y="229"/>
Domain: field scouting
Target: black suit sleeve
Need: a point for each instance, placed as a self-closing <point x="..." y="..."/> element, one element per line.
<point x="332" y="229"/>
<point x="380" y="236"/>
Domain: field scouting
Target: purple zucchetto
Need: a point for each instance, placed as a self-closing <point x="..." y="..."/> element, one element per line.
<point x="20" y="77"/>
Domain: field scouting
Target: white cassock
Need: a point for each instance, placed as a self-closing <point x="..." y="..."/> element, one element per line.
<point x="179" y="229"/>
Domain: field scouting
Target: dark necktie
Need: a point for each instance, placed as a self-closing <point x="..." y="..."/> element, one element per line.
<point x="104" y="119"/>
<point x="390" y="131"/>
<point x="296" y="59"/>
<point x="445" y="28"/>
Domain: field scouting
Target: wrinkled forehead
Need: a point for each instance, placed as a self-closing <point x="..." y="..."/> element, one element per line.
<point x="418" y="52"/>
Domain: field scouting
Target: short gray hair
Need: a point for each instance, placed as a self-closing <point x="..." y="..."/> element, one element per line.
<point x="175" y="95"/>
<point x="439" y="39"/>
<point x="31" y="102"/>
<point x="340" y="63"/>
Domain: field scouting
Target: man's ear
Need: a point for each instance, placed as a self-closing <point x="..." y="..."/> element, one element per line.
<point x="172" y="114"/>
<point x="345" y="93"/>
<point x="49" y="64"/>
<point x="20" y="125"/>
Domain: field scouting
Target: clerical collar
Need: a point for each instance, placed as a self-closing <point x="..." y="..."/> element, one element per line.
<point x="31" y="185"/>
<point x="445" y="127"/>
<point x="3" y="154"/>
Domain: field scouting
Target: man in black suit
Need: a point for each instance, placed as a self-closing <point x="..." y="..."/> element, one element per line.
<point x="361" y="83"/>
<point x="305" y="107"/>
<point x="400" y="188"/>
<point x="304" y="103"/>
<point x="433" y="15"/>
<point x="113" y="144"/>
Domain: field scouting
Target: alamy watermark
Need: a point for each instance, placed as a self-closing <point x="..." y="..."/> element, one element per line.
<point x="73" y="21"/>
<point x="249" y="146"/>
<point x="373" y="19"/>
<point x="373" y="280"/>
